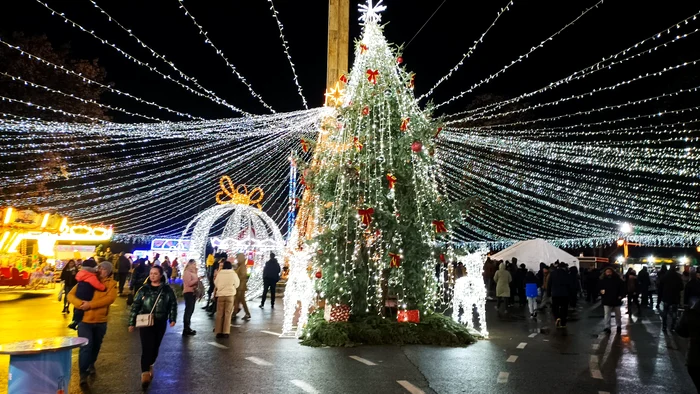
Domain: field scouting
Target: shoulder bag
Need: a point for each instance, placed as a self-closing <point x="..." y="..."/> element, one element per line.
<point x="146" y="319"/>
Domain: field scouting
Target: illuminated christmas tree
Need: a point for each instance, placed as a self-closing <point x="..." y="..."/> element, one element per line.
<point x="372" y="208"/>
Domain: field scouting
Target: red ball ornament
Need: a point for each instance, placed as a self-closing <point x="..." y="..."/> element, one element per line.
<point x="399" y="60"/>
<point x="319" y="274"/>
<point x="416" y="146"/>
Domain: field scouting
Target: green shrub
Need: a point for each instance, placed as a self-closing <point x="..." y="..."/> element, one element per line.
<point x="434" y="329"/>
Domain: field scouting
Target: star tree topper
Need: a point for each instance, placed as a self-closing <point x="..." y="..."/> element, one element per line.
<point x="370" y="12"/>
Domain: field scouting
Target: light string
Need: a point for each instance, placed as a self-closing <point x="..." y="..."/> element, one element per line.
<point x="598" y="66"/>
<point x="518" y="60"/>
<point x="90" y="81"/>
<point x="589" y="94"/>
<point x="285" y="45"/>
<point x="208" y="41"/>
<point x="468" y="54"/>
<point x="83" y="100"/>
<point x="209" y="94"/>
<point x="49" y="108"/>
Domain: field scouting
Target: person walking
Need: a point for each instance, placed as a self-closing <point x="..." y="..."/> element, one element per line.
<point x="68" y="278"/>
<point x="592" y="279"/>
<point x="560" y="289"/>
<point x="513" y="269"/>
<point x="139" y="276"/>
<point x="271" y="275"/>
<point x="531" y="293"/>
<point x="123" y="268"/>
<point x="167" y="269"/>
<point x="632" y="295"/>
<point x="544" y="287"/>
<point x="671" y="288"/>
<point x="94" y="323"/>
<point x="576" y="289"/>
<point x="226" y="282"/>
<point x="689" y="327"/>
<point x="239" y="300"/>
<point x="612" y="290"/>
<point x="520" y="280"/>
<point x="643" y="285"/>
<point x="488" y="273"/>
<point x="502" y="279"/>
<point x="190" y="280"/>
<point x="157" y="298"/>
<point x="659" y="285"/>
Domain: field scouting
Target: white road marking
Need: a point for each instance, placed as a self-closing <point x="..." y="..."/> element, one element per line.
<point x="522" y="345"/>
<point x="512" y="359"/>
<point x="236" y="325"/>
<point x="410" y="387"/>
<point x="534" y="334"/>
<point x="304" y="386"/>
<point x="502" y="377"/>
<point x="220" y="346"/>
<point x="258" y="361"/>
<point x="595" y="368"/>
<point x="271" y="333"/>
<point x="362" y="360"/>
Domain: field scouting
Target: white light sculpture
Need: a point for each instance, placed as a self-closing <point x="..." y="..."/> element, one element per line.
<point x="469" y="291"/>
<point x="299" y="291"/>
<point x="249" y="230"/>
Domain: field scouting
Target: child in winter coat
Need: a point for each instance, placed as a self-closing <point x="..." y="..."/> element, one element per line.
<point x="88" y="282"/>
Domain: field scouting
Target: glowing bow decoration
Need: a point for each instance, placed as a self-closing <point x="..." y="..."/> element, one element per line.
<point x="238" y="194"/>
<point x="372" y="76"/>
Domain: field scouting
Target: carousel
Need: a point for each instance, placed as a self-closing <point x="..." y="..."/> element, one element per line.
<point x="247" y="230"/>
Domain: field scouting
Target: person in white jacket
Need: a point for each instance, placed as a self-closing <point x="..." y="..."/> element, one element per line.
<point x="226" y="283"/>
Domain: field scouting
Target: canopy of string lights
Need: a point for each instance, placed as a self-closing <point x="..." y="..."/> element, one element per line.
<point x="568" y="161"/>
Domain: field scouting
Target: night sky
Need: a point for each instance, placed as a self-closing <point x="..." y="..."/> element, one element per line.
<point x="247" y="34"/>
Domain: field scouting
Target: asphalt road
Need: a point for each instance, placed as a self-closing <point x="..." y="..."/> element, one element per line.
<point x="521" y="356"/>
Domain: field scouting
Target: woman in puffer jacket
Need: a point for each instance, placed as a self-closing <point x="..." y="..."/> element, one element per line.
<point x="531" y="293"/>
<point x="155" y="297"/>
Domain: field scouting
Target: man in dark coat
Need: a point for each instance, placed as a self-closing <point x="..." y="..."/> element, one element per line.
<point x="592" y="278"/>
<point x="123" y="268"/>
<point x="612" y="290"/>
<point x="644" y="282"/>
<point x="689" y="327"/>
<point x="520" y="283"/>
<point x="271" y="275"/>
<point x="560" y="288"/>
<point x="671" y="288"/>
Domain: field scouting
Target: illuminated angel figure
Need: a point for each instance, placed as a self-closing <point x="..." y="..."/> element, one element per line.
<point x="469" y="291"/>
<point x="299" y="291"/>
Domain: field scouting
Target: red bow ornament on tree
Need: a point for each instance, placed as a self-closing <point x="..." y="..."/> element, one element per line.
<point x="365" y="111"/>
<point x="439" y="226"/>
<point x="404" y="124"/>
<point x="412" y="81"/>
<point x="395" y="260"/>
<point x="304" y="145"/>
<point x="357" y="143"/>
<point x="366" y="215"/>
<point x="439" y="129"/>
<point x="363" y="49"/>
<point x="343" y="79"/>
<point x="372" y="75"/>
<point x="392" y="180"/>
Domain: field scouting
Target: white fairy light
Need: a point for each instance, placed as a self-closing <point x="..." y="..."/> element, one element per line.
<point x="519" y="59"/>
<point x="208" y="41"/>
<point x="209" y="94"/>
<point x="285" y="45"/>
<point x="299" y="289"/>
<point x="470" y="292"/>
<point x="468" y="54"/>
<point x="90" y="81"/>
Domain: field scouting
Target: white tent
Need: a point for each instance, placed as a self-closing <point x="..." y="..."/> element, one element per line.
<point x="533" y="252"/>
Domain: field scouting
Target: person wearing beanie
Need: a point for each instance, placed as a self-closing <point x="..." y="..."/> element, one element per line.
<point x="87" y="284"/>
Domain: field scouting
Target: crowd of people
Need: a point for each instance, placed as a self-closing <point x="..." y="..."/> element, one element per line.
<point x="559" y="287"/>
<point x="90" y="287"/>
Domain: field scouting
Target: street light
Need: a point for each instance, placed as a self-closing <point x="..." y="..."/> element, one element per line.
<point x="625" y="228"/>
<point x="651" y="259"/>
<point x="683" y="260"/>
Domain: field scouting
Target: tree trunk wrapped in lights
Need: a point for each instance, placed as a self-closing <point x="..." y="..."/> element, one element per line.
<point x="372" y="196"/>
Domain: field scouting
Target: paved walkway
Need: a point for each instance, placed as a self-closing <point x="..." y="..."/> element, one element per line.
<point x="521" y="356"/>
